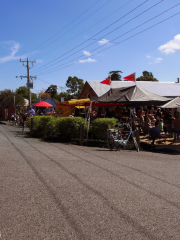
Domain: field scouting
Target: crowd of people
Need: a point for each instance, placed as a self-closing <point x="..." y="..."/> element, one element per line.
<point x="23" y="115"/>
<point x="147" y="120"/>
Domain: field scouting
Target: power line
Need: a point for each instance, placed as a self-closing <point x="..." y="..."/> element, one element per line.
<point x="104" y="36"/>
<point x="68" y="24"/>
<point x="87" y="29"/>
<point x="43" y="80"/>
<point x="119" y="42"/>
<point x="76" y="25"/>
<point x="97" y="33"/>
<point x="18" y="83"/>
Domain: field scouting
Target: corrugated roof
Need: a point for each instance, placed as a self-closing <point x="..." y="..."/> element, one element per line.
<point x="166" y="89"/>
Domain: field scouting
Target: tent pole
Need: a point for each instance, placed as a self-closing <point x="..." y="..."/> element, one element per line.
<point x="89" y="118"/>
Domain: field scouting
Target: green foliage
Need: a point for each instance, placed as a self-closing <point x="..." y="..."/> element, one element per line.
<point x="147" y="76"/>
<point x="7" y="99"/>
<point x="115" y="75"/>
<point x="75" y="85"/>
<point x="43" y="127"/>
<point x="24" y="92"/>
<point x="100" y="125"/>
<point x="69" y="128"/>
<point x="48" y="127"/>
<point x="146" y="73"/>
<point x="33" y="96"/>
<point x="52" y="90"/>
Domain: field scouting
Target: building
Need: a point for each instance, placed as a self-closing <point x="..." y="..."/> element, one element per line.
<point x="96" y="89"/>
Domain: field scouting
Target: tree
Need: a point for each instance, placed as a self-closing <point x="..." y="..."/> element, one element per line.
<point x="75" y="85"/>
<point x="7" y="99"/>
<point x="147" y="76"/>
<point x="44" y="95"/>
<point x="24" y="92"/>
<point x="52" y="90"/>
<point x="64" y="95"/>
<point x="115" y="75"/>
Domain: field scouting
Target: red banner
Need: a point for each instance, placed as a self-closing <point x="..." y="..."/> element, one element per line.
<point x="106" y="81"/>
<point x="131" y="77"/>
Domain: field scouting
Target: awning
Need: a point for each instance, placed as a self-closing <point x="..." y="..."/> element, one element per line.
<point x="80" y="107"/>
<point x="78" y="102"/>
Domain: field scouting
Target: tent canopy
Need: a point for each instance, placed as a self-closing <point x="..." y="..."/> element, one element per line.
<point x="132" y="95"/>
<point x="42" y="104"/>
<point x="175" y="103"/>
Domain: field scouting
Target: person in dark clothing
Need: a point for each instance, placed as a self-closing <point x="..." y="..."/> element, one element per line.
<point x="99" y="113"/>
<point x="176" y="113"/>
<point x="166" y="115"/>
<point x="154" y="132"/>
<point x="158" y="114"/>
<point x="112" y="113"/>
<point x="146" y="109"/>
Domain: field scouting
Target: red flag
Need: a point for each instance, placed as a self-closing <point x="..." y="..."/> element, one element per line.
<point x="106" y="81"/>
<point x="131" y="77"/>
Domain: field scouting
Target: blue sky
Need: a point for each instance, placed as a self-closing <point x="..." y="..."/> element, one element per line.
<point x="87" y="39"/>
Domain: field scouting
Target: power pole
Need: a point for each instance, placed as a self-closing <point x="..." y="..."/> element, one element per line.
<point x="29" y="78"/>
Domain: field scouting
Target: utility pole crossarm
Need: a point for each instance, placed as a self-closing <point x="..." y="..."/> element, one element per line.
<point x="29" y="78"/>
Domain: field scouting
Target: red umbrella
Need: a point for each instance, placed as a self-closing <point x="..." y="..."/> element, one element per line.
<point x="42" y="104"/>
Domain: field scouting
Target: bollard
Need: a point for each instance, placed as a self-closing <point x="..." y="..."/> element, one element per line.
<point x="81" y="134"/>
<point x="31" y="129"/>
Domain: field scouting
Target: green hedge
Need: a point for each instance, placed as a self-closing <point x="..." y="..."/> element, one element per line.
<point x="65" y="128"/>
<point x="68" y="128"/>
<point x="100" y="125"/>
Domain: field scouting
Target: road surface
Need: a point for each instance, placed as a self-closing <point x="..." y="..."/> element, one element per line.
<point x="54" y="191"/>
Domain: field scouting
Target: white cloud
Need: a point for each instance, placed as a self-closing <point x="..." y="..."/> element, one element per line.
<point x="103" y="41"/>
<point x="158" y="60"/>
<point x="39" y="61"/>
<point x="86" y="53"/>
<point x="171" y="46"/>
<point x="14" y="48"/>
<point x="87" y="60"/>
<point x="148" y="56"/>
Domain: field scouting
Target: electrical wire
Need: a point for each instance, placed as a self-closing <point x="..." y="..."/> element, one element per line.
<point x="120" y="42"/>
<point x="76" y="25"/>
<point x="44" y="81"/>
<point x="86" y="29"/>
<point x="68" y="24"/>
<point x="97" y="33"/>
<point x="111" y="32"/>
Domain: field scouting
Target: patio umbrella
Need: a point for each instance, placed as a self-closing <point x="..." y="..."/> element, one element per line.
<point x="42" y="104"/>
<point x="175" y="103"/>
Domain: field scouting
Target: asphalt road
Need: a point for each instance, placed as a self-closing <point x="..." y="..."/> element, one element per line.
<point x="54" y="191"/>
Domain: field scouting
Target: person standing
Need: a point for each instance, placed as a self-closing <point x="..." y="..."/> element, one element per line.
<point x="31" y="112"/>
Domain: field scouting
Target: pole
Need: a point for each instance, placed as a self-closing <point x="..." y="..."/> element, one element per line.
<point x="28" y="81"/>
<point x="28" y="77"/>
<point x="14" y="105"/>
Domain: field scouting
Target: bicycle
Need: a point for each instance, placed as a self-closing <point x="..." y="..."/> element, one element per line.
<point x="16" y="121"/>
<point x="115" y="138"/>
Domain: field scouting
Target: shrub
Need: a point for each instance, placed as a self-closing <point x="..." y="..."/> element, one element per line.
<point x="65" y="128"/>
<point x="69" y="128"/>
<point x="100" y="125"/>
